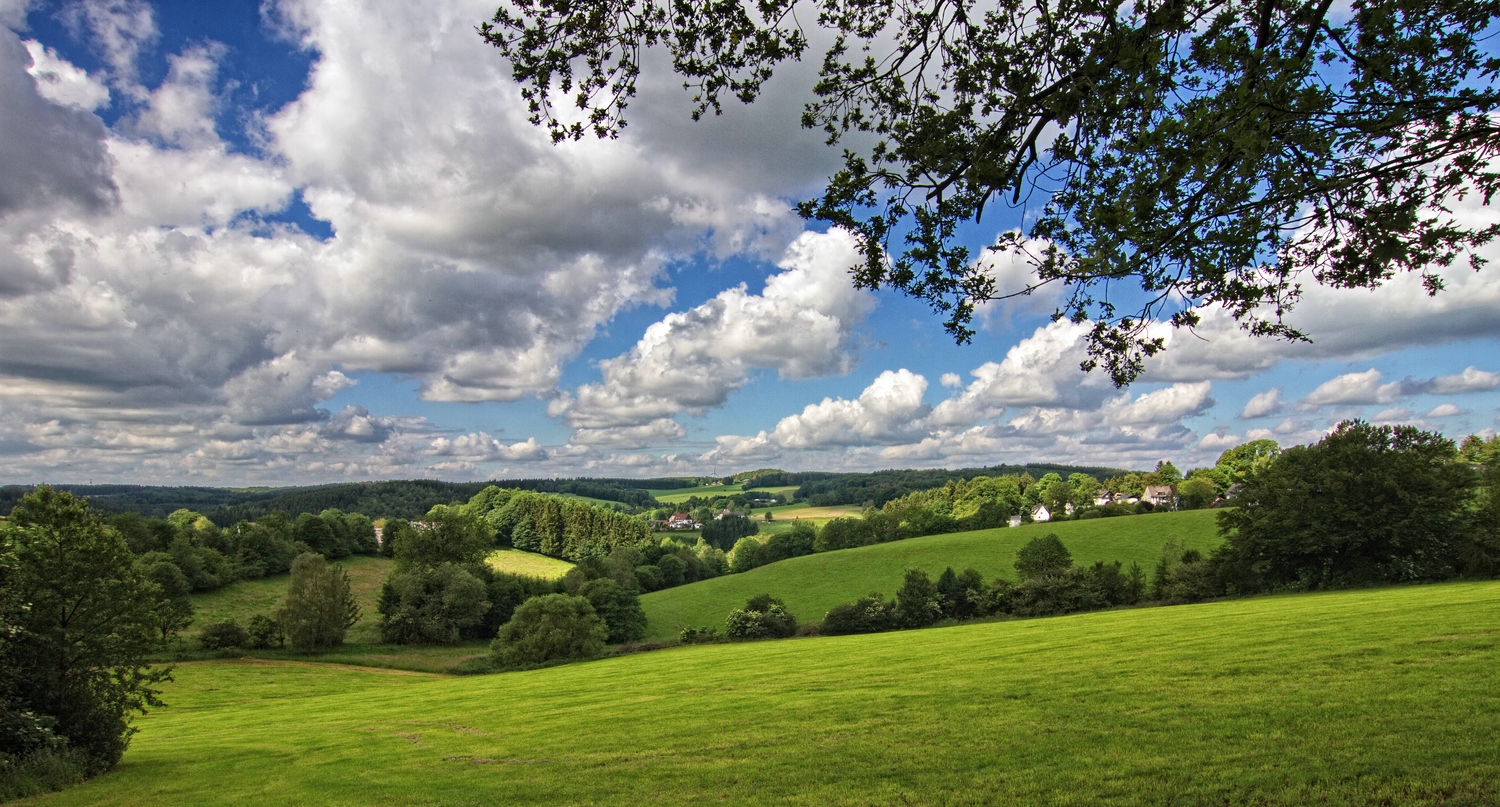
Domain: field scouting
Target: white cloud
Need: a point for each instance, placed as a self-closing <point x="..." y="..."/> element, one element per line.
<point x="1040" y="370"/>
<point x="1471" y="379"/>
<point x="801" y="326"/>
<point x="60" y="82"/>
<point x="476" y="447"/>
<point x="119" y="30"/>
<point x="888" y="411"/>
<point x="1166" y="405"/>
<point x="1263" y="404"/>
<point x="1365" y="387"/>
<point x="1394" y="414"/>
<point x="1446" y="410"/>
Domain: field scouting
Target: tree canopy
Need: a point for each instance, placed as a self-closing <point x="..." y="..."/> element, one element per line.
<point x="1209" y="152"/>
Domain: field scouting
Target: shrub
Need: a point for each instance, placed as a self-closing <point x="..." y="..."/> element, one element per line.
<point x="431" y="605"/>
<point x="763" y="617"/>
<point x="42" y="771"/>
<point x="865" y="615"/>
<point x="619" y="607"/>
<point x="959" y="595"/>
<point x="1042" y="555"/>
<point x="264" y="632"/>
<point x="703" y="635"/>
<point x="320" y="607"/>
<point x="552" y="627"/>
<point x="221" y="635"/>
<point x="844" y="533"/>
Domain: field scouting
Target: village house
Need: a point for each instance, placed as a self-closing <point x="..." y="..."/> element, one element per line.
<point x="1041" y="513"/>
<point x="1159" y="495"/>
<point x="681" y="521"/>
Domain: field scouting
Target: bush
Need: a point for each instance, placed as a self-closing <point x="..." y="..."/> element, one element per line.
<point x="844" y="533"/>
<point x="42" y="771"/>
<point x="793" y="543"/>
<point x="1042" y="555"/>
<point x="703" y="635"/>
<point x="960" y="595"/>
<point x="264" y="632"/>
<point x="746" y="555"/>
<point x="431" y="605"/>
<point x="865" y="615"/>
<point x="763" y="617"/>
<point x="619" y="607"/>
<point x="221" y="635"/>
<point x="553" y="627"/>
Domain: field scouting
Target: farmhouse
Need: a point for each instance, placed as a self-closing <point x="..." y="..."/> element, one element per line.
<point x="1041" y="513"/>
<point x="681" y="521"/>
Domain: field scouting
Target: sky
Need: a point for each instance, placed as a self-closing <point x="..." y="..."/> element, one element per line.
<point x="300" y="242"/>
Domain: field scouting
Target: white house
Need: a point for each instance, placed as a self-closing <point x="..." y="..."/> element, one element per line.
<point x="1015" y="521"/>
<point x="1041" y="513"/>
<point x="1104" y="497"/>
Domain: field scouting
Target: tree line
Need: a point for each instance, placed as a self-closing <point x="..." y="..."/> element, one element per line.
<point x="877" y="488"/>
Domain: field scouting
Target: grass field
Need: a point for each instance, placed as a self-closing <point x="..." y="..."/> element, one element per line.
<point x="242" y="600"/>
<point x="515" y="561"/>
<point x="1374" y="697"/>
<point x="679" y="495"/>
<point x="812" y="584"/>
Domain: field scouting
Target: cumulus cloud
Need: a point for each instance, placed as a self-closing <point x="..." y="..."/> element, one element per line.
<point x="801" y="325"/>
<point x="476" y="447"/>
<point x="1366" y="387"/>
<point x="890" y="410"/>
<point x="60" y="82"/>
<point x="1263" y="404"/>
<point x="1446" y="410"/>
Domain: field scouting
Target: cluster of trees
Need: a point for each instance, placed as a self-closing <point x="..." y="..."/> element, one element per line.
<point x="751" y="552"/>
<point x="570" y="529"/>
<point x="1048" y="584"/>
<point x="79" y="619"/>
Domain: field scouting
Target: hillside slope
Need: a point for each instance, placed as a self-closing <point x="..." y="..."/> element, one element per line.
<point x="812" y="584"/>
<point x="1351" y="698"/>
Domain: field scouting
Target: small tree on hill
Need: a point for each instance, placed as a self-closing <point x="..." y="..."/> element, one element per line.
<point x="619" y="607"/>
<point x="549" y="628"/>
<point x="320" y="606"/>
<point x="918" y="603"/>
<point x="1042" y="555"/>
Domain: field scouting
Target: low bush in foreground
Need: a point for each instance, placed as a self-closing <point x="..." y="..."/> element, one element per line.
<point x="554" y="627"/>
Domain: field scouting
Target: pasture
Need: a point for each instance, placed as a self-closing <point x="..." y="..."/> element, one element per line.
<point x="1384" y="696"/>
<point x="812" y="584"/>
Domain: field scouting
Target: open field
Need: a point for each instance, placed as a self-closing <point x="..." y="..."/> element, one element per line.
<point x="678" y="495"/>
<point x="1383" y="696"/>
<point x="514" y="561"/>
<point x="812" y="584"/>
<point x="242" y="600"/>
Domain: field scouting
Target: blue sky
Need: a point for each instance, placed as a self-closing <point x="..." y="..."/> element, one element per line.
<point x="296" y="242"/>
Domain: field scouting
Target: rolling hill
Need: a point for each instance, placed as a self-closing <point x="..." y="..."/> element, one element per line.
<point x="1382" y="696"/>
<point x="812" y="584"/>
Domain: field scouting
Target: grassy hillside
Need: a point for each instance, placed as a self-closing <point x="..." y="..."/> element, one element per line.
<point x="242" y="600"/>
<point x="514" y="561"/>
<point x="811" y="585"/>
<point x="1352" y="698"/>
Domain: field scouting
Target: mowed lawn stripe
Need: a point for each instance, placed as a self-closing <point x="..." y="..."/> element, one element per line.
<point x="1378" y="696"/>
<point x="812" y="584"/>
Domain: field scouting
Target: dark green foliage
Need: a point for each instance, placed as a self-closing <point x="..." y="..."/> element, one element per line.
<point x="553" y="627"/>
<point x="844" y="533"/>
<point x="446" y="535"/>
<point x="439" y="604"/>
<point x="1366" y="504"/>
<point x="506" y="592"/>
<point x="220" y="635"/>
<point x="918" y="603"/>
<point x="264" y="633"/>
<point x="397" y="530"/>
<point x="1042" y="555"/>
<point x="865" y="615"/>
<point x="723" y="532"/>
<point x="177" y="605"/>
<point x="960" y="595"/>
<point x="648" y="577"/>
<point x="619" y="607"/>
<point x="42" y="771"/>
<point x="570" y="529"/>
<point x="1069" y="590"/>
<point x="320" y="537"/>
<point x="673" y="570"/>
<point x="763" y="617"/>
<point x="794" y="543"/>
<point x="320" y="607"/>
<point x="700" y="635"/>
<point x="85" y="620"/>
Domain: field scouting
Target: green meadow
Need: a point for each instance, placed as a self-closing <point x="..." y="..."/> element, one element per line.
<point x="812" y="584"/>
<point x="1383" y="696"/>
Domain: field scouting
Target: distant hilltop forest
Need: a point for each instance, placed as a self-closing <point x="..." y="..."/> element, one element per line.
<point x="411" y="499"/>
